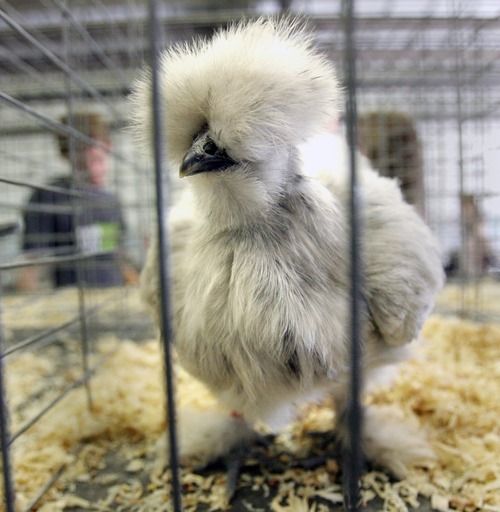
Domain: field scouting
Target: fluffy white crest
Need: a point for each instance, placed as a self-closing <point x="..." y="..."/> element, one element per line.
<point x="259" y="85"/>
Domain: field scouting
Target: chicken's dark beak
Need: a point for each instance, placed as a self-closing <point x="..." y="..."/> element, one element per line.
<point x="204" y="156"/>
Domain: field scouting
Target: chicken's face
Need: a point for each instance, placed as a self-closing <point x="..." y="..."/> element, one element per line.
<point x="229" y="186"/>
<point x="223" y="172"/>
<point x="206" y="155"/>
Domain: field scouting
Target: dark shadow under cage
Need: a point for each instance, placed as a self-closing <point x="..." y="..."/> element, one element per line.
<point x="83" y="409"/>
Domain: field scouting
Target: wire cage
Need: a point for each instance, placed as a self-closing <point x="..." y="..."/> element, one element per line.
<point x="71" y="249"/>
<point x="82" y="393"/>
<point x="428" y="103"/>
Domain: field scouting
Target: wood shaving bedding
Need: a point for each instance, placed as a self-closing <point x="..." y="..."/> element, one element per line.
<point x="37" y="311"/>
<point x="452" y="390"/>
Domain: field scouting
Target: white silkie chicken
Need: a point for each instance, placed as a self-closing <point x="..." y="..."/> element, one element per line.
<point x="260" y="243"/>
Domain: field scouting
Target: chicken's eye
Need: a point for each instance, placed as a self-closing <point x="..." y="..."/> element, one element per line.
<point x="210" y="148"/>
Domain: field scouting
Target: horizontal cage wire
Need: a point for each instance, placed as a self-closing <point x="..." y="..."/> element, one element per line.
<point x="84" y="413"/>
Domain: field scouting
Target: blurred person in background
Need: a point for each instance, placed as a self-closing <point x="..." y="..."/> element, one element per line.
<point x="76" y="215"/>
<point x="476" y="256"/>
<point x="390" y="141"/>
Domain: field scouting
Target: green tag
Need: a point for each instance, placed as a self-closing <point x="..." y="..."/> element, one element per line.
<point x="110" y="235"/>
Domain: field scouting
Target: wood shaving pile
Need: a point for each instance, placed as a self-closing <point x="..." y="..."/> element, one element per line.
<point x="452" y="390"/>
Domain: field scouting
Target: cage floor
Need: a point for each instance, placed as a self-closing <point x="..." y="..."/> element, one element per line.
<point x="116" y="481"/>
<point x="113" y="458"/>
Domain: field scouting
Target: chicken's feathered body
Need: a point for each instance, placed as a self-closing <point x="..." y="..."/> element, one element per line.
<point x="262" y="273"/>
<point x="255" y="323"/>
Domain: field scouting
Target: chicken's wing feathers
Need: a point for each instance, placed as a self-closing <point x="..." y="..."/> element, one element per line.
<point x="402" y="262"/>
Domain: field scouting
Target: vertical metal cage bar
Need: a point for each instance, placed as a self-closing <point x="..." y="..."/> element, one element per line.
<point x="352" y="456"/>
<point x="84" y="337"/>
<point x="8" y="485"/>
<point x="459" y="74"/>
<point x="162" y="203"/>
